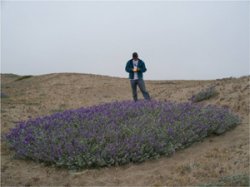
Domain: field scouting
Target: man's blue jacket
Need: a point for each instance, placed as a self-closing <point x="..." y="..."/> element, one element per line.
<point x="141" y="69"/>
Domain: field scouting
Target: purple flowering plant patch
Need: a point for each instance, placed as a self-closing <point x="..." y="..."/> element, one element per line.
<point x="116" y="133"/>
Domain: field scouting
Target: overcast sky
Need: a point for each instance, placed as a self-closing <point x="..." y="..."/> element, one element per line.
<point x="176" y="40"/>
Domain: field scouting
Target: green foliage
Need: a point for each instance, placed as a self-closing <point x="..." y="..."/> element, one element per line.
<point x="24" y="77"/>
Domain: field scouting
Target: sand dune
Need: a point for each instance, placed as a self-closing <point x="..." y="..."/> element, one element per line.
<point x="201" y="163"/>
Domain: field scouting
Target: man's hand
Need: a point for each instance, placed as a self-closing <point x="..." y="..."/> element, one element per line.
<point x="135" y="69"/>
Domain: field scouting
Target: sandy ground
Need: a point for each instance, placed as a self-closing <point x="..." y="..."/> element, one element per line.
<point x="201" y="163"/>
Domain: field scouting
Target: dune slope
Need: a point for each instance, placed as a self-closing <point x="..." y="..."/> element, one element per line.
<point x="203" y="162"/>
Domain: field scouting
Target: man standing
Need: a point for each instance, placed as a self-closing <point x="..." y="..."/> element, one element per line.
<point x="136" y="67"/>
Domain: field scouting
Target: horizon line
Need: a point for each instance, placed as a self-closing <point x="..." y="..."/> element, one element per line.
<point x="229" y="77"/>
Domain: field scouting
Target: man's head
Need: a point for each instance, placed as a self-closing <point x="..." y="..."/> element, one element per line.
<point x="135" y="56"/>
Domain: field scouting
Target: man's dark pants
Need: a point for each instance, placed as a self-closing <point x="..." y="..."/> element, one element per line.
<point x="141" y="84"/>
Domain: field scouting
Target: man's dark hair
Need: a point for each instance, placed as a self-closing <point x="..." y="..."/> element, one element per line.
<point x="135" y="55"/>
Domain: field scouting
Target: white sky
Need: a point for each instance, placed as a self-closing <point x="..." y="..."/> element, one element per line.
<point x="176" y="40"/>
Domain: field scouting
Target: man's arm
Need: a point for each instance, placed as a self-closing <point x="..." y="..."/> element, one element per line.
<point x="142" y="68"/>
<point x="128" y="69"/>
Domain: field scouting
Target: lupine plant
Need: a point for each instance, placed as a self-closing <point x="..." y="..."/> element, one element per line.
<point x="204" y="94"/>
<point x="116" y="133"/>
<point x="3" y="95"/>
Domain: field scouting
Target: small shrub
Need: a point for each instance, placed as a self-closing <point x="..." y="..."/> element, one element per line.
<point x="235" y="180"/>
<point x="24" y="77"/>
<point x="3" y="95"/>
<point x="116" y="133"/>
<point x="204" y="95"/>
